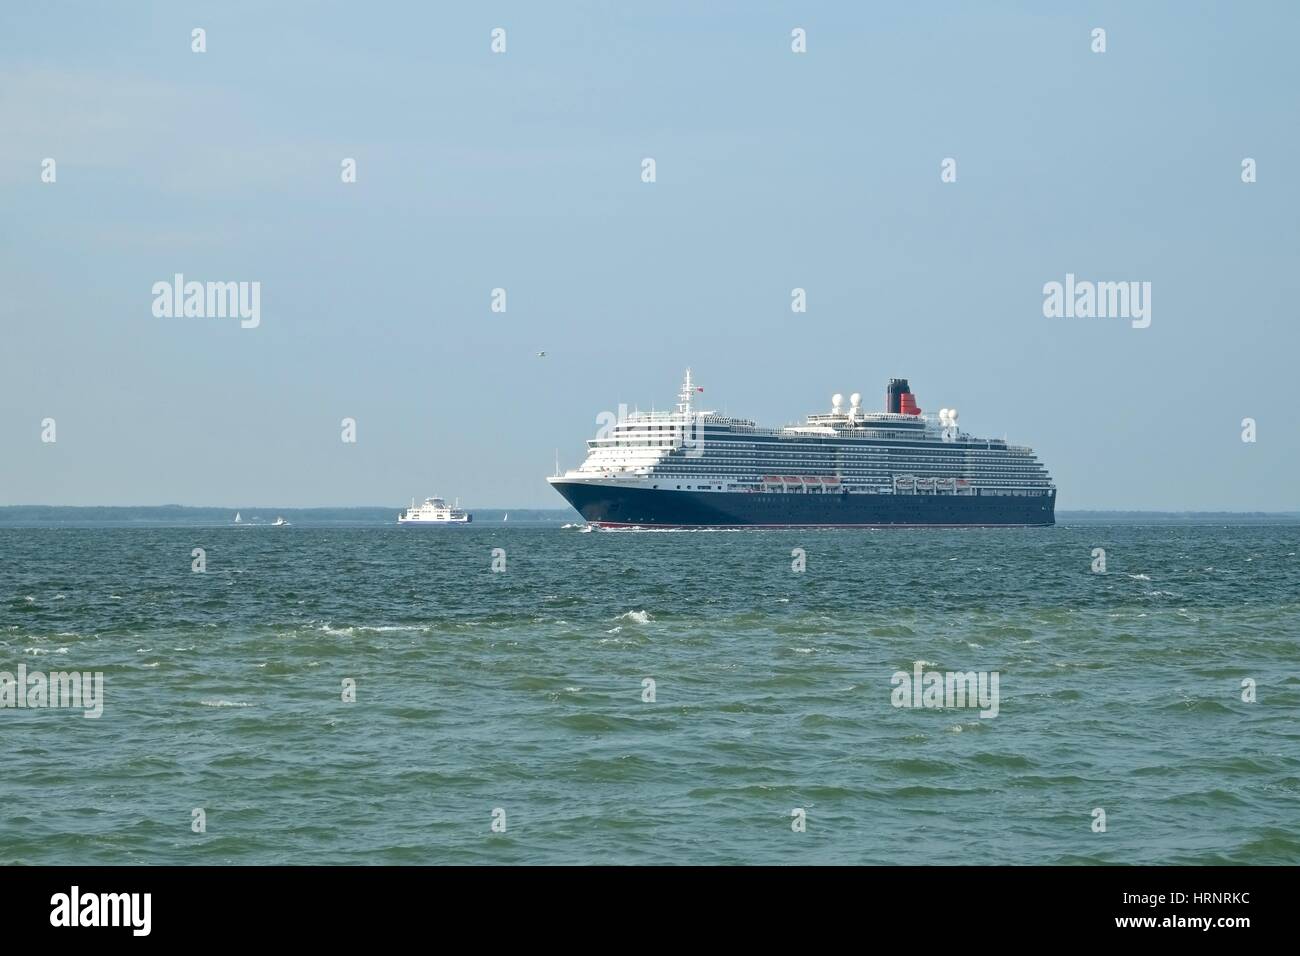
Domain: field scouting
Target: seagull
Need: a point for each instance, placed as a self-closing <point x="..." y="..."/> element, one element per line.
<point x="541" y="355"/>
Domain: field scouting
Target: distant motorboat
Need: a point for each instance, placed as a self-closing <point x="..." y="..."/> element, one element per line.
<point x="279" y="523"/>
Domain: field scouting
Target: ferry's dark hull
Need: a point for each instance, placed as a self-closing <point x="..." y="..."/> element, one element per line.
<point x="607" y="506"/>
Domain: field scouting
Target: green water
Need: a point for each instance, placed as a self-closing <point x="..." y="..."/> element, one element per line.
<point x="522" y="691"/>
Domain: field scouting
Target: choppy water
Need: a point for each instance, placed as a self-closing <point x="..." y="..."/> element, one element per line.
<point x="523" y="691"/>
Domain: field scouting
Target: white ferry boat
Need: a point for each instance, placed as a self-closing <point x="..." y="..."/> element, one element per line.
<point x="436" y="512"/>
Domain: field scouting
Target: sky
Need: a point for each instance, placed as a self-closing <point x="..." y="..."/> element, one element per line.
<point x="523" y="170"/>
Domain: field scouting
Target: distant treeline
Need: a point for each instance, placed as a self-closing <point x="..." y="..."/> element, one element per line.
<point x="1177" y="516"/>
<point x="159" y="515"/>
<point x="163" y="515"/>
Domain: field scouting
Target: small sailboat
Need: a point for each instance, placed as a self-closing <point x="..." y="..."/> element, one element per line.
<point x="237" y="518"/>
<point x="507" y="517"/>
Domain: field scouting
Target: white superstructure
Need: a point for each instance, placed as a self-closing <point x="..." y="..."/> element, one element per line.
<point x="434" y="511"/>
<point x="850" y="450"/>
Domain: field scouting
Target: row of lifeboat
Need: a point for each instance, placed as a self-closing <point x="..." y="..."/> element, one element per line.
<point x="910" y="483"/>
<point x="813" y="483"/>
<point x="903" y="484"/>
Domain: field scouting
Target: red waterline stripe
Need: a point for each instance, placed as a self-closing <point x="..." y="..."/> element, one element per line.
<point x="742" y="527"/>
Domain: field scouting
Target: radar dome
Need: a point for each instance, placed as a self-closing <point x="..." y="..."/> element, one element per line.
<point x="837" y="399"/>
<point x="855" y="399"/>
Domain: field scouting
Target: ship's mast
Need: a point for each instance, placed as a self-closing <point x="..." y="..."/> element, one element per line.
<point x="685" y="395"/>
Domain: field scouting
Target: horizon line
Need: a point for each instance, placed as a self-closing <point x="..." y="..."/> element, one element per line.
<point x="1154" y="511"/>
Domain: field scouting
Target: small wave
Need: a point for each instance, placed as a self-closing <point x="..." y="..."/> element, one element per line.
<point x="892" y="630"/>
<point x="224" y="703"/>
<point x="1216" y="797"/>
<point x="1065" y="695"/>
<point x="636" y="617"/>
<point x="531" y="682"/>
<point x="921" y="766"/>
<point x="1201" y="706"/>
<point x="1014" y="761"/>
<point x="1273" y="846"/>
<point x="594" y="723"/>
<point x="1140" y="577"/>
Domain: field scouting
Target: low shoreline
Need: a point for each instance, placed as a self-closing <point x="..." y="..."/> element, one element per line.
<point x="44" y="516"/>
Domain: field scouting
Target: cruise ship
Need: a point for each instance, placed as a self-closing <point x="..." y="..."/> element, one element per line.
<point x="435" y="512"/>
<point x="848" y="468"/>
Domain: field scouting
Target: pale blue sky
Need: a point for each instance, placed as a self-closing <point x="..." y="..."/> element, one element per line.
<point x="522" y="170"/>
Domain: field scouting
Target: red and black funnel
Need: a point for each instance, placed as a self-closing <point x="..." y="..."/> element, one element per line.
<point x="899" y="398"/>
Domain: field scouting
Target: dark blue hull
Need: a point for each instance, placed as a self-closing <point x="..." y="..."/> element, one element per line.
<point x="607" y="506"/>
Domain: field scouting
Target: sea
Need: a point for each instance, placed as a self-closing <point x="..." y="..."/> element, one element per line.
<point x="345" y="691"/>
